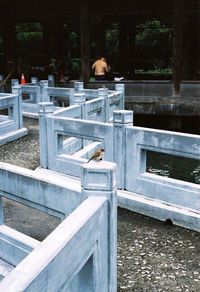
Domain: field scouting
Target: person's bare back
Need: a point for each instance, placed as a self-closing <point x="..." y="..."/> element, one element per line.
<point x="100" y="67"/>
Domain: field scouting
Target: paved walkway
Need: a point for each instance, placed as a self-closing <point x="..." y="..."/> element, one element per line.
<point x="152" y="256"/>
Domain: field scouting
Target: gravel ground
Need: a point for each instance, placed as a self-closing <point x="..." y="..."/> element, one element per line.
<point x="152" y="255"/>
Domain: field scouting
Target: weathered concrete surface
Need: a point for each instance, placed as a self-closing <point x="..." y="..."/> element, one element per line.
<point x="135" y="87"/>
<point x="152" y="256"/>
<point x="190" y="88"/>
<point x="185" y="106"/>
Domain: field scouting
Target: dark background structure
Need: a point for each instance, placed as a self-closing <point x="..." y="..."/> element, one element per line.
<point x="90" y="20"/>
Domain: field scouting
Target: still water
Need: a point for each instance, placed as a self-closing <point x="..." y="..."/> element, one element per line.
<point x="167" y="165"/>
<point x="185" y="169"/>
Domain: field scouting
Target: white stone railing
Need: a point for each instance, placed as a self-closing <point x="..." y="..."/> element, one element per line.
<point x="11" y="123"/>
<point x="37" y="92"/>
<point x="127" y="146"/>
<point x="81" y="253"/>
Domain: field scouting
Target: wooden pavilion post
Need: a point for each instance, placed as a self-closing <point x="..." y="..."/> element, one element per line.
<point x="10" y="46"/>
<point x="100" y="38"/>
<point x="177" y="47"/>
<point x="131" y="47"/>
<point x="179" y="65"/>
<point x="185" y="42"/>
<point x="46" y="27"/>
<point x="123" y="49"/>
<point x="191" y="37"/>
<point x="127" y="33"/>
<point x="60" y="48"/>
<point x="85" y="41"/>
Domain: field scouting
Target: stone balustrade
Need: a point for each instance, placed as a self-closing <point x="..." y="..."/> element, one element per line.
<point x="81" y="253"/>
<point x="43" y="91"/>
<point x="65" y="150"/>
<point x="11" y="122"/>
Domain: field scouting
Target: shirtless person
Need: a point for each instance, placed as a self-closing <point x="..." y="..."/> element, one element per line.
<point x="100" y="68"/>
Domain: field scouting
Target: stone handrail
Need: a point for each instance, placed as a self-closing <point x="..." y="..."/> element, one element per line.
<point x="127" y="146"/>
<point x="41" y="92"/>
<point x="88" y="228"/>
<point x="11" y="123"/>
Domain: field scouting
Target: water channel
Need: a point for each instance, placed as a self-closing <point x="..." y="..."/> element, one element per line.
<point x="181" y="168"/>
<point x="185" y="169"/>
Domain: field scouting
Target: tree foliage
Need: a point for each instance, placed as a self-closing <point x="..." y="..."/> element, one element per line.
<point x="153" y="46"/>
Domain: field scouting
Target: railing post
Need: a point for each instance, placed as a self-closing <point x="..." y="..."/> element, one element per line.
<point x="34" y="99"/>
<point x="71" y="97"/>
<point x="121" y="119"/>
<point x="43" y="91"/>
<point x="99" y="179"/>
<point x="14" y="82"/>
<point x="34" y="80"/>
<point x="51" y="81"/>
<point x="121" y="88"/>
<point x="103" y="92"/>
<point x="18" y="91"/>
<point x="80" y="99"/>
<point x="1" y="211"/>
<point x="45" y="108"/>
<point x="78" y="87"/>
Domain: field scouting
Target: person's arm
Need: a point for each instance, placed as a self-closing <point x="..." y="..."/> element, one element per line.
<point x="107" y="69"/>
<point x="93" y="66"/>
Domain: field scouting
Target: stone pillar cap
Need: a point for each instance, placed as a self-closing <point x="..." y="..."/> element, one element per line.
<point x="45" y="107"/>
<point x="78" y="85"/>
<point x="122" y="116"/>
<point x="99" y="176"/>
<point x="44" y="82"/>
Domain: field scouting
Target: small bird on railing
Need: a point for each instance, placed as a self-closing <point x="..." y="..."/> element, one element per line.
<point x="98" y="155"/>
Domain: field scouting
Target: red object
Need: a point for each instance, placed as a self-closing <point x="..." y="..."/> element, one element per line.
<point x="23" y="79"/>
<point x="61" y="76"/>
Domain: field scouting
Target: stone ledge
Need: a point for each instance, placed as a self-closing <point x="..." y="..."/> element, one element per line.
<point x="160" y="210"/>
<point x="11" y="136"/>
